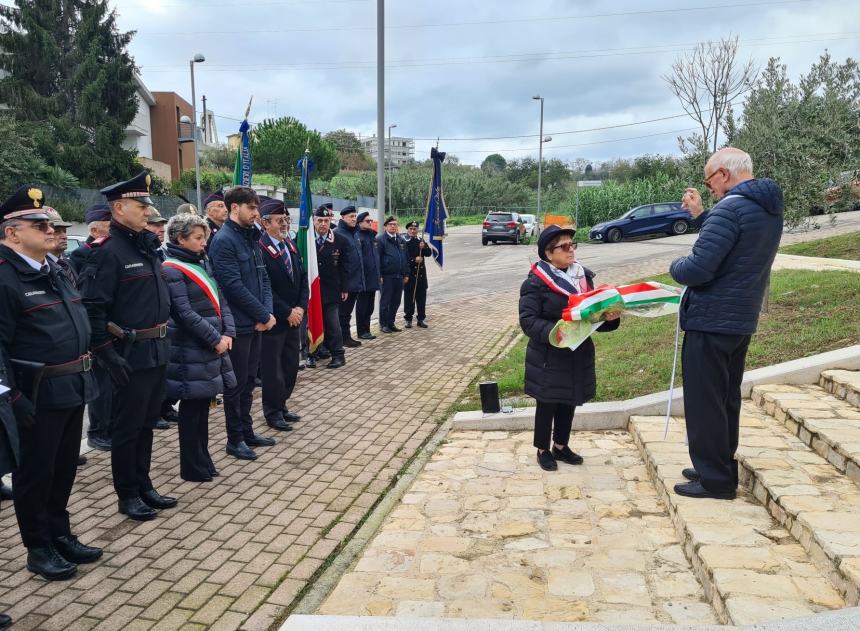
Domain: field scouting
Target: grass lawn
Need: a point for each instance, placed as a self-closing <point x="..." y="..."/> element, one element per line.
<point x="844" y="246"/>
<point x="810" y="313"/>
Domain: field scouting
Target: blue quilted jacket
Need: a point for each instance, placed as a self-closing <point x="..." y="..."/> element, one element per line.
<point x="726" y="273"/>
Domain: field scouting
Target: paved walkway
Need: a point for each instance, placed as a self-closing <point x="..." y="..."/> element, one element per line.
<point x="237" y="551"/>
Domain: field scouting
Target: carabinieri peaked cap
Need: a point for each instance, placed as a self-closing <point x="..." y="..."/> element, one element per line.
<point x="27" y="202"/>
<point x="137" y="188"/>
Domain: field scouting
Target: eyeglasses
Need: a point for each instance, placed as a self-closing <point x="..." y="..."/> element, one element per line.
<point x="567" y="247"/>
<point x="707" y="180"/>
<point x="41" y="226"/>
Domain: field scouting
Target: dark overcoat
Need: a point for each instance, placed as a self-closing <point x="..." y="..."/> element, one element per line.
<point x="555" y="375"/>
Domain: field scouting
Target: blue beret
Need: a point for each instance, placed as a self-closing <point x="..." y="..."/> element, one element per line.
<point x="97" y="212"/>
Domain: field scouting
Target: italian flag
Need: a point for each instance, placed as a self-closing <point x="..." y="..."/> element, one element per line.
<point x="308" y="250"/>
<point x="591" y="305"/>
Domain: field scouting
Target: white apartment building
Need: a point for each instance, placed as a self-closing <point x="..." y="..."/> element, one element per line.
<point x="402" y="150"/>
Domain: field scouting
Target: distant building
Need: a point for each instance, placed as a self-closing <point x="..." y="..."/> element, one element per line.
<point x="138" y="134"/>
<point x="401" y="150"/>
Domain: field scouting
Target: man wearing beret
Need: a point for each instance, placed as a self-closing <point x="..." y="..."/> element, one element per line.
<point x="332" y="260"/>
<point x="366" y="301"/>
<point x="349" y="230"/>
<point x="97" y="218"/>
<point x="45" y="336"/>
<point x="129" y="305"/>
<point x="280" y="357"/>
<point x="394" y="273"/>
<point x="415" y="291"/>
<point x="216" y="212"/>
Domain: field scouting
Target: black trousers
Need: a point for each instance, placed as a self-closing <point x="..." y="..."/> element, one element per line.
<point x="389" y="301"/>
<point x="364" y="306"/>
<point x="43" y="482"/>
<point x="555" y="420"/>
<point x="713" y="367"/>
<point x="280" y="366"/>
<point x="332" y="336"/>
<point x="137" y="407"/>
<point x="101" y="410"/>
<point x="195" y="463"/>
<point x="245" y="357"/>
<point x="420" y="293"/>
<point x="345" y="313"/>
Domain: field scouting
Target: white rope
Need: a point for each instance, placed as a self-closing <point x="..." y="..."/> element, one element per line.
<point x="674" y="366"/>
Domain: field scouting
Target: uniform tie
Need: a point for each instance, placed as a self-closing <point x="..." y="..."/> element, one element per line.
<point x="286" y="256"/>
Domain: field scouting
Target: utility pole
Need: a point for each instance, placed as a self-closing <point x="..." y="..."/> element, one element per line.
<point x="540" y="153"/>
<point x="380" y="112"/>
<point x="205" y="119"/>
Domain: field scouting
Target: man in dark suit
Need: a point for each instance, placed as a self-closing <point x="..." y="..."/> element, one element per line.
<point x="280" y="355"/>
<point x="394" y="271"/>
<point x="332" y="262"/>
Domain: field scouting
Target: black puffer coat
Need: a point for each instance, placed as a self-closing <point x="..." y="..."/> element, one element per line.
<point x="195" y="370"/>
<point x="555" y="375"/>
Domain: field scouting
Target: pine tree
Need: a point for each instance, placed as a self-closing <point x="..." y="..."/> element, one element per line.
<point x="70" y="74"/>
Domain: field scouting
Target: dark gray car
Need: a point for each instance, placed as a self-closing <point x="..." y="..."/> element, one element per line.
<point x="500" y="226"/>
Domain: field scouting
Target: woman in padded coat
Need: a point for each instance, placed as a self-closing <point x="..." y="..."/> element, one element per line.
<point x="201" y="331"/>
<point x="559" y="379"/>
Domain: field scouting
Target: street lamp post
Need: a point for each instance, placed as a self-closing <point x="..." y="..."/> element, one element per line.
<point x="380" y="111"/>
<point x="540" y="152"/>
<point x="390" y="173"/>
<point x="198" y="59"/>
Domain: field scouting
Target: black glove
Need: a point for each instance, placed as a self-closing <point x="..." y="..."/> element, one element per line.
<point x="118" y="368"/>
<point x="24" y="411"/>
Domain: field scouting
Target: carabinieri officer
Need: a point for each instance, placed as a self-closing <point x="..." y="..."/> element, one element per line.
<point x="129" y="305"/>
<point x="45" y="333"/>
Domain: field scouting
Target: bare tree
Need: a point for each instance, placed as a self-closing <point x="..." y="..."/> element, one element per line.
<point x="706" y="80"/>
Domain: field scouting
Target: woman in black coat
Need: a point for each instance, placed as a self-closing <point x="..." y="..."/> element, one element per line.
<point x="559" y="379"/>
<point x="201" y="331"/>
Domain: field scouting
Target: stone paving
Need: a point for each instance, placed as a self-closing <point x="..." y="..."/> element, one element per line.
<point x="238" y="550"/>
<point x="485" y="533"/>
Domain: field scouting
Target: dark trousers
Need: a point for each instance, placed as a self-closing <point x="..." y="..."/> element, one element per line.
<point x="137" y="406"/>
<point x="43" y="482"/>
<point x="389" y="301"/>
<point x="245" y="357"/>
<point x="364" y="307"/>
<point x="332" y="336"/>
<point x="100" y="411"/>
<point x="552" y="419"/>
<point x="280" y="366"/>
<point x="420" y="293"/>
<point x="195" y="463"/>
<point x="345" y="313"/>
<point x="713" y="366"/>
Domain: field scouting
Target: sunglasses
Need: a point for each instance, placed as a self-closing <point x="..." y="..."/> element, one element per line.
<point x="567" y="247"/>
<point x="41" y="226"/>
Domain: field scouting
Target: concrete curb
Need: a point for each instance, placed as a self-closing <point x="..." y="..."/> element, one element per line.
<point x="842" y="620"/>
<point x="614" y="414"/>
<point x="796" y="261"/>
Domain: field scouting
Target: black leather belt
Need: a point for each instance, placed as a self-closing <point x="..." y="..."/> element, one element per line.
<point x="84" y="363"/>
<point x="155" y="332"/>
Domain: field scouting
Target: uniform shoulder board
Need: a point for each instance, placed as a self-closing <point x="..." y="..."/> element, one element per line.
<point x="100" y="241"/>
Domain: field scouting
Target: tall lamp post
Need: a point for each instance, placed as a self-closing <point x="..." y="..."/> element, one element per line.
<point x="380" y="111"/>
<point x="390" y="173"/>
<point x="540" y="151"/>
<point x="198" y="59"/>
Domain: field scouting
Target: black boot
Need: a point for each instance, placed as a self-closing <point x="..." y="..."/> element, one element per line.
<point x="154" y="499"/>
<point x="336" y="362"/>
<point x="351" y="343"/>
<point x="73" y="550"/>
<point x="47" y="563"/>
<point x="136" y="509"/>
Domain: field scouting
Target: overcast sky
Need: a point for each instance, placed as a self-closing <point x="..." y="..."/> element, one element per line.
<point x="467" y="69"/>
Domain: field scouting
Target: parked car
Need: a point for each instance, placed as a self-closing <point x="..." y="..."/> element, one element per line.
<point x="843" y="194"/>
<point x="532" y="229"/>
<point x="667" y="217"/>
<point x="499" y="226"/>
<point x="75" y="241"/>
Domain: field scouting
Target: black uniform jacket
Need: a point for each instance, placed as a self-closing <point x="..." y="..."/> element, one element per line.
<point x="78" y="256"/>
<point x="42" y="320"/>
<point x="332" y="262"/>
<point x="122" y="282"/>
<point x="289" y="290"/>
<point x="412" y="250"/>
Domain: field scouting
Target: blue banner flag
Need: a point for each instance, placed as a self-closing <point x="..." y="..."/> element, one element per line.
<point x="437" y="214"/>
<point x="242" y="169"/>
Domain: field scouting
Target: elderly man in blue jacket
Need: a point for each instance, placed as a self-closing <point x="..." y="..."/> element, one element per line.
<point x="726" y="277"/>
<point x="239" y="268"/>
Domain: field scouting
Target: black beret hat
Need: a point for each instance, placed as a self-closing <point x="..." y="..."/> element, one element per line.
<point x="412" y="224"/>
<point x="217" y="196"/>
<point x="97" y="212"/>
<point x="27" y="202"/>
<point x="549" y="233"/>
<point x="362" y="216"/>
<point x="135" y="188"/>
<point x="389" y="220"/>
<point x="322" y="211"/>
<point x="272" y="207"/>
<point x="348" y="210"/>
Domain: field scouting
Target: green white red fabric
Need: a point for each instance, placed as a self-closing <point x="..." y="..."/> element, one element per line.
<point x="199" y="276"/>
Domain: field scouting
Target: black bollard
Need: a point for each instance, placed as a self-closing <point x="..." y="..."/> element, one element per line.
<point x="489" y="397"/>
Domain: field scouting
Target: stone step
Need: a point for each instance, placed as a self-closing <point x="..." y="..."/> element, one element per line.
<point x="829" y="425"/>
<point x="751" y="569"/>
<point x="806" y="494"/>
<point x="844" y="384"/>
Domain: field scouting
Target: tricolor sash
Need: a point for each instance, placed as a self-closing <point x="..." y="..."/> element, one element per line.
<point x="199" y="276"/>
<point x="557" y="282"/>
